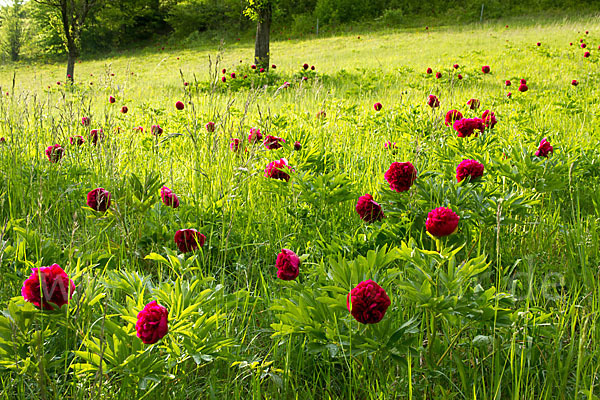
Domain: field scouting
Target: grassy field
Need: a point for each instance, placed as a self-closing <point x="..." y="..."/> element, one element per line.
<point x="505" y="307"/>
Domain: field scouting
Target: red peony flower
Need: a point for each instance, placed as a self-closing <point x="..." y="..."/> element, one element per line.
<point x="179" y="105"/>
<point x="233" y="76"/>
<point x="54" y="153"/>
<point x="55" y="287"/>
<point x="401" y="176"/>
<point x="273" y="66"/>
<point x="507" y="83"/>
<point x="235" y="145"/>
<point x="377" y="106"/>
<point x="111" y="99"/>
<point x="287" y="264"/>
<point x="2" y="140"/>
<point x="574" y="82"/>
<point x="305" y="66"/>
<point x="485" y="69"/>
<point x="255" y="136"/>
<point x="368" y="302"/>
<point x="189" y="240"/>
<point x="85" y="121"/>
<point x="96" y="135"/>
<point x="467" y="126"/>
<point x="473" y="104"/>
<point x="523" y="82"/>
<point x="276" y="170"/>
<point x="460" y="76"/>
<point x="223" y="71"/>
<point x="273" y="142"/>
<point x="523" y="88"/>
<point x="312" y="67"/>
<point x="223" y="79"/>
<point x="539" y="44"/>
<point x="156" y="130"/>
<point x="99" y="199"/>
<point x="455" y="66"/>
<point x="433" y="101"/>
<point x="297" y="146"/>
<point x="368" y="210"/>
<point x="261" y="70"/>
<point x="509" y="95"/>
<point x="438" y="75"/>
<point x="253" y="66"/>
<point x="152" y="323"/>
<point x="78" y="140"/>
<point x="469" y="168"/>
<point x="169" y="198"/>
<point x="124" y="109"/>
<point x="544" y="148"/>
<point x="489" y="119"/>
<point x="210" y="126"/>
<point x="429" y="71"/>
<point x="452" y="116"/>
<point x="441" y="222"/>
<point x="586" y="54"/>
<point x="583" y="45"/>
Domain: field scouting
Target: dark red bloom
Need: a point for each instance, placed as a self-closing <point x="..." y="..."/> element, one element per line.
<point x="255" y="136"/>
<point x="469" y="168"/>
<point x="169" y="198"/>
<point x="78" y="140"/>
<point x="253" y="66"/>
<point x="438" y="75"/>
<point x="124" y="109"/>
<point x="297" y="146"/>
<point x="401" y="176"/>
<point x="179" y="105"/>
<point x="96" y="135"/>
<point x="455" y="66"/>
<point x="223" y="79"/>
<point x="574" y="82"/>
<point x="2" y="140"/>
<point x="85" y="121"/>
<point x="441" y="222"/>
<point x="111" y="99"/>
<point x="305" y="66"/>
<point x="586" y="54"/>
<point x="273" y="142"/>
<point x="288" y="265"/>
<point x="235" y="144"/>
<point x="507" y="83"/>
<point x="509" y="95"/>
<point x="274" y="66"/>
<point x="523" y="87"/>
<point x="156" y="130"/>
<point x="429" y="71"/>
<point x="223" y="71"/>
<point x="54" y="153"/>
<point x="210" y="126"/>
<point x="460" y="76"/>
<point x="489" y="119"/>
<point x="54" y="288"/>
<point x="368" y="210"/>
<point x="485" y="69"/>
<point x="152" y="323"/>
<point x="544" y="148"/>
<point x="368" y="302"/>
<point x="99" y="199"/>
<point x="523" y="82"/>
<point x="539" y="44"/>
<point x="583" y="45"/>
<point x="277" y="170"/>
<point x="467" y="126"/>
<point x="261" y="70"/>
<point x="189" y="240"/>
<point x="312" y="67"/>
<point x="377" y="106"/>
<point x="233" y="75"/>
<point x="452" y="116"/>
<point x="473" y="104"/>
<point x="433" y="101"/>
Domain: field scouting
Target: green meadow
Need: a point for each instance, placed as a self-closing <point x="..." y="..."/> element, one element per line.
<point x="504" y="307"/>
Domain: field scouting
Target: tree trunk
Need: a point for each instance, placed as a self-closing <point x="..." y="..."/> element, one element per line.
<point x="263" y="29"/>
<point x="72" y="57"/>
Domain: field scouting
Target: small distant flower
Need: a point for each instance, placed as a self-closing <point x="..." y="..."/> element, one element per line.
<point x="489" y="119"/>
<point x="368" y="210"/>
<point x="312" y="67"/>
<point x="233" y="75"/>
<point x="438" y="75"/>
<point x="586" y="32"/>
<point x="253" y="66"/>
<point x="441" y="222"/>
<point x="467" y="126"/>
<point x="285" y="85"/>
<point x="401" y="176"/>
<point x="539" y="44"/>
<point x="507" y="83"/>
<point x="485" y="69"/>
<point x="156" y="130"/>
<point x="76" y="140"/>
<point x="210" y="126"/>
<point x="305" y="66"/>
<point x="459" y="77"/>
<point x="297" y="146"/>
<point x="261" y="70"/>
<point x="152" y="323"/>
<point x="544" y="148"/>
<point x="58" y="83"/>
<point x="2" y="140"/>
<point x="85" y="121"/>
<point x="574" y="82"/>
<point x="255" y="136"/>
<point x="54" y="288"/>
<point x="235" y="145"/>
<point x="124" y="109"/>
<point x="169" y="198"/>
<point x="54" y="153"/>
<point x="223" y="71"/>
<point x="586" y="54"/>
<point x="469" y="168"/>
<point x="274" y="66"/>
<point x="321" y="114"/>
<point x="179" y="105"/>
<point x="304" y="78"/>
<point x="473" y="104"/>
<point x="185" y="84"/>
<point x="245" y="76"/>
<point x="368" y="302"/>
<point x="583" y="45"/>
<point x="523" y="87"/>
<point x="377" y="106"/>
<point x="189" y="240"/>
<point x="452" y="116"/>
<point x="433" y="101"/>
<point x="288" y="265"/>
<point x="509" y="95"/>
<point x="223" y="79"/>
<point x="96" y="135"/>
<point x="571" y="44"/>
<point x="429" y="71"/>
<point x="99" y="199"/>
<point x="277" y="170"/>
<point x="455" y="66"/>
<point x="523" y="81"/>
<point x="111" y="99"/>
<point x="273" y="142"/>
